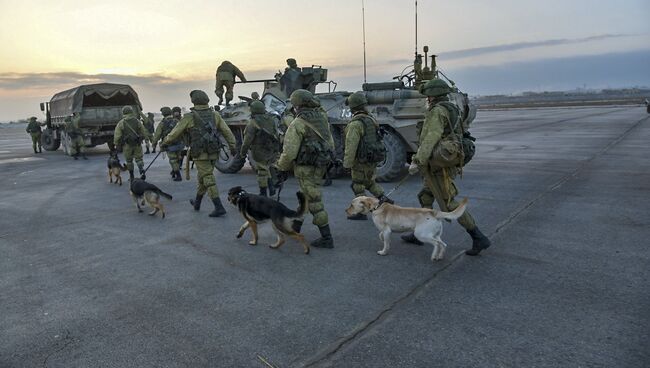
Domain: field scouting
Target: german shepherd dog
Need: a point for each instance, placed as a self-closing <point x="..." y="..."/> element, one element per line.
<point x="115" y="168"/>
<point x="258" y="209"/>
<point x="142" y="192"/>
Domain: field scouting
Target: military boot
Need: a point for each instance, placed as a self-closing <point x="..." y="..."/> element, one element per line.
<point x="325" y="240"/>
<point x="479" y="242"/>
<point x="130" y="175"/>
<point x="40" y="149"/>
<point x="35" y="151"/>
<point x="263" y="192"/>
<point x="196" y="203"/>
<point x="410" y="238"/>
<point x="153" y="149"/>
<point x="177" y="176"/>
<point x="218" y="208"/>
<point x="141" y="172"/>
<point x="147" y="151"/>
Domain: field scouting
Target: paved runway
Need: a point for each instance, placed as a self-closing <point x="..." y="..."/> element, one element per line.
<point x="86" y="281"/>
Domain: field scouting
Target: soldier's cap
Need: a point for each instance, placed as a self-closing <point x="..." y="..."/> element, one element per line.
<point x="199" y="97"/>
<point x="176" y="109"/>
<point x="255" y="95"/>
<point x="127" y="110"/>
<point x="166" y="111"/>
<point x="257" y="107"/>
<point x="357" y="99"/>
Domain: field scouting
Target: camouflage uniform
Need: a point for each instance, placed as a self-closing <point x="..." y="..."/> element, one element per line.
<point x="129" y="134"/>
<point x="165" y="126"/>
<point x="261" y="136"/>
<point x="309" y="129"/>
<point x="225" y="76"/>
<point x="77" y="144"/>
<point x="439" y="181"/>
<point x="203" y="126"/>
<point x="148" y="122"/>
<point x="34" y="130"/>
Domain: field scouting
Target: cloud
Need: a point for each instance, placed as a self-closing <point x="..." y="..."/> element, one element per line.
<point x="20" y="81"/>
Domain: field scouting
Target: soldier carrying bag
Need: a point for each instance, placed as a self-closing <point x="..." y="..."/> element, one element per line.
<point x="132" y="138"/>
<point x="205" y="137"/>
<point x="454" y="149"/>
<point x="371" y="146"/>
<point x="315" y="152"/>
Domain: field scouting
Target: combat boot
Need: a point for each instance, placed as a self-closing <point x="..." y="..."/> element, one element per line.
<point x="479" y="242"/>
<point x="153" y="149"/>
<point x="358" y="216"/>
<point x="271" y="188"/>
<point x="130" y="175"/>
<point x="263" y="192"/>
<point x="177" y="176"/>
<point x="141" y="172"/>
<point x="410" y="238"/>
<point x="35" y="151"/>
<point x="147" y="151"/>
<point x="383" y="199"/>
<point x="196" y="203"/>
<point x="40" y="149"/>
<point x="325" y="240"/>
<point x="218" y="208"/>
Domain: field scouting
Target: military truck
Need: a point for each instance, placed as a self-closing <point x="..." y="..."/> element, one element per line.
<point x="100" y="107"/>
<point x="397" y="105"/>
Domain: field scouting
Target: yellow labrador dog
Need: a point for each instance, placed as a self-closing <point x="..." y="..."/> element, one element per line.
<point x="425" y="223"/>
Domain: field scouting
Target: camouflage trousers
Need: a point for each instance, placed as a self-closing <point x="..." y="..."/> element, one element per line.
<point x="133" y="153"/>
<point x="310" y="179"/>
<point x="229" y="84"/>
<point x="77" y="145"/>
<point x="439" y="186"/>
<point x="206" y="182"/>
<point x="36" y="140"/>
<point x="174" y="160"/>
<point x="363" y="178"/>
<point x="263" y="173"/>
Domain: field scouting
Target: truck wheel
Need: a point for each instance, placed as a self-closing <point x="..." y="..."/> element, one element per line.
<point x="48" y="141"/>
<point x="393" y="166"/>
<point x="339" y="144"/>
<point x="227" y="163"/>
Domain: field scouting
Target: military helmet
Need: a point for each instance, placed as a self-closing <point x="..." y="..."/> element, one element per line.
<point x="166" y="111"/>
<point x="176" y="109"/>
<point x="291" y="62"/>
<point x="357" y="99"/>
<point x="257" y="107"/>
<point x="150" y="114"/>
<point x="435" y="88"/>
<point x="127" y="110"/>
<point x="32" y="118"/>
<point x="255" y="96"/>
<point x="199" y="97"/>
<point x="302" y="97"/>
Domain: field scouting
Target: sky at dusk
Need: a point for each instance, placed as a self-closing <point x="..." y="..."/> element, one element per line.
<point x="164" y="49"/>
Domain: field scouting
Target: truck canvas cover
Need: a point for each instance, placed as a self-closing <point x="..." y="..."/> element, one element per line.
<point x="93" y="95"/>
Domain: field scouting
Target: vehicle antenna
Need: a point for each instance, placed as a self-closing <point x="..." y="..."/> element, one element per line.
<point x="363" y="16"/>
<point x="416" y="28"/>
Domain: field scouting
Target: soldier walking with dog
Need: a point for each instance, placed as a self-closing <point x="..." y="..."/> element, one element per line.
<point x="363" y="150"/>
<point x="204" y="127"/>
<point x="34" y="130"/>
<point x="129" y="134"/>
<point x="73" y="130"/>
<point x="165" y="126"/>
<point x="439" y="159"/>
<point x="262" y="138"/>
<point x="308" y="150"/>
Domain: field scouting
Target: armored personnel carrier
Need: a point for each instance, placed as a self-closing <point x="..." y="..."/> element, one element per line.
<point x="397" y="105"/>
<point x="100" y="107"/>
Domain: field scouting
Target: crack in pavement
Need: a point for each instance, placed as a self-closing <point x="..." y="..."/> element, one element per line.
<point x="325" y="354"/>
<point x="68" y="341"/>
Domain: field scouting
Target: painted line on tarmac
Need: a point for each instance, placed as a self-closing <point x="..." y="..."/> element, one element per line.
<point x="20" y="159"/>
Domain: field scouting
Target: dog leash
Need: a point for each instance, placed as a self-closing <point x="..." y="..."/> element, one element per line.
<point x="398" y="185"/>
<point x="151" y="163"/>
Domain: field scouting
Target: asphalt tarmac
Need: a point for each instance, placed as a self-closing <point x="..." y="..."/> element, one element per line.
<point x="87" y="281"/>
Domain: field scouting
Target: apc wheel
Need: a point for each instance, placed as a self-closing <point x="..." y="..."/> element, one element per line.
<point x="227" y="163"/>
<point x="48" y="142"/>
<point x="393" y="166"/>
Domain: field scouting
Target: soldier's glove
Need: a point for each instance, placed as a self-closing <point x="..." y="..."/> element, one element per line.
<point x="163" y="147"/>
<point x="413" y="168"/>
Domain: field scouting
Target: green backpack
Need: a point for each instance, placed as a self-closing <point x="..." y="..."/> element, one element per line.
<point x="371" y="147"/>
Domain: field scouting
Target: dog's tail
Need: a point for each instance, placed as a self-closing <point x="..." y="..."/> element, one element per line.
<point x="166" y="195"/>
<point x="453" y="215"/>
<point x="302" y="204"/>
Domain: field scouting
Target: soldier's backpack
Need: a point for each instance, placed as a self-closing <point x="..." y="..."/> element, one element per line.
<point x="130" y="134"/>
<point x="456" y="147"/>
<point x="266" y="136"/>
<point x="371" y="147"/>
<point x="315" y="149"/>
<point x="204" y="136"/>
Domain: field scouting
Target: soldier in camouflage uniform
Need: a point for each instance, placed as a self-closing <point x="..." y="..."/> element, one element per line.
<point x="226" y="73"/>
<point x="309" y="149"/>
<point x="148" y="122"/>
<point x="262" y="138"/>
<point x="177" y="114"/>
<point x="363" y="150"/>
<point x="129" y="134"/>
<point x="287" y="117"/>
<point x="34" y="130"/>
<point x="204" y="127"/>
<point x="73" y="131"/>
<point x="438" y="181"/>
<point x="165" y="126"/>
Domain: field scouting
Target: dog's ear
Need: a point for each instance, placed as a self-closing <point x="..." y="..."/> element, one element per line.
<point x="366" y="202"/>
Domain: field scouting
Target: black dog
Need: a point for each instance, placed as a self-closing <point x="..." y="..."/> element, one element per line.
<point x="142" y="191"/>
<point x="258" y="209"/>
<point x="115" y="168"/>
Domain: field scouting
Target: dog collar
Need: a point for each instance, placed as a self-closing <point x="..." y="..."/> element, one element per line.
<point x="379" y="204"/>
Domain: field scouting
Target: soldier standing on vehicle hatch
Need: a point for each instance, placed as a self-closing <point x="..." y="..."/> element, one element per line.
<point x="34" y="130"/>
<point x="226" y="73"/>
<point x="438" y="181"/>
<point x="204" y="127"/>
<point x="129" y="134"/>
<point x="309" y="149"/>
<point x="363" y="150"/>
